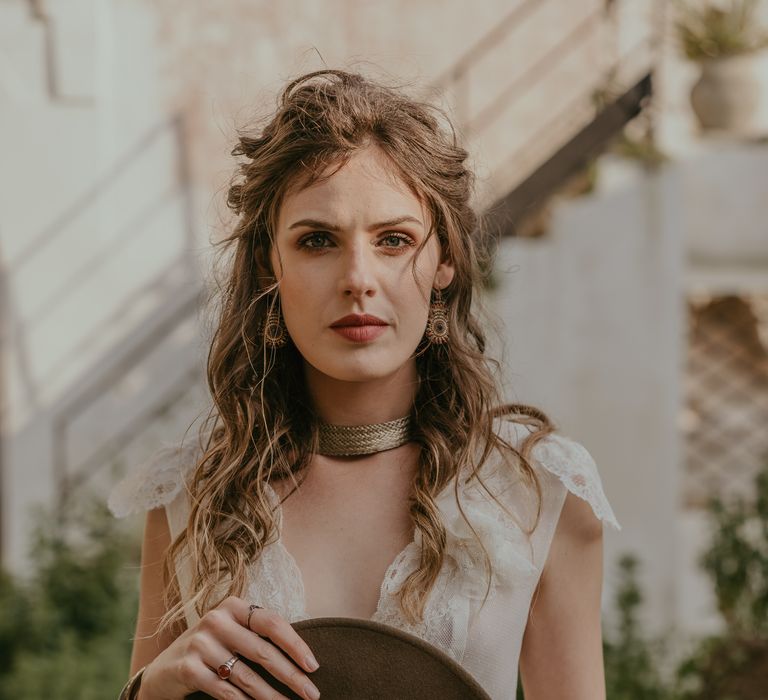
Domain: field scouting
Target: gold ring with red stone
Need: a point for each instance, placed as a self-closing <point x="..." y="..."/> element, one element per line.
<point x="225" y="670"/>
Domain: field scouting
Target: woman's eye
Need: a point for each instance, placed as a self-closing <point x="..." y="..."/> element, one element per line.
<point x="318" y="235"/>
<point x="398" y="238"/>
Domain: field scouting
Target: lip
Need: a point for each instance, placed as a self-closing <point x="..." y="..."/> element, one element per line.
<point x="360" y="334"/>
<point x="352" y="320"/>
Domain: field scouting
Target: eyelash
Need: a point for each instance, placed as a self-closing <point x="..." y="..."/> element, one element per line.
<point x="392" y="234"/>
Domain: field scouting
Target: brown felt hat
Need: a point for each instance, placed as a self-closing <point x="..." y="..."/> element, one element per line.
<point x="366" y="659"/>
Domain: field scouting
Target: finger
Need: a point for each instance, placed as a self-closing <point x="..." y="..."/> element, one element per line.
<point x="266" y="654"/>
<point x="224" y="690"/>
<point x="269" y="623"/>
<point x="200" y="676"/>
<point x="243" y="676"/>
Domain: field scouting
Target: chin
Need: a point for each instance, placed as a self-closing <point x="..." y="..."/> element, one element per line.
<point x="356" y="372"/>
<point x="357" y="367"/>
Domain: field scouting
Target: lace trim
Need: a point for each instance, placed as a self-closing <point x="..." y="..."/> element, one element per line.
<point x="461" y="580"/>
<point x="573" y="464"/>
<point x="275" y="582"/>
<point x="153" y="483"/>
<point x="446" y="614"/>
<point x="275" y="576"/>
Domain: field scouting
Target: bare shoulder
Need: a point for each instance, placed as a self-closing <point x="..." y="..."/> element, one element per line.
<point x="577" y="543"/>
<point x="148" y="643"/>
<point x="156" y="540"/>
<point x="578" y="522"/>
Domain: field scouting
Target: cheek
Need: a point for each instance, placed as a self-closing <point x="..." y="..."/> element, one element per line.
<point x="412" y="301"/>
<point x="417" y="283"/>
<point x="293" y="298"/>
<point x="303" y="299"/>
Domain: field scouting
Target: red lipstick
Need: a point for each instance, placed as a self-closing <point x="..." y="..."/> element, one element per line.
<point x="360" y="328"/>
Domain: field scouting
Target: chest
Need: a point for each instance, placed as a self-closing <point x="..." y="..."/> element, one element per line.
<point x="343" y="537"/>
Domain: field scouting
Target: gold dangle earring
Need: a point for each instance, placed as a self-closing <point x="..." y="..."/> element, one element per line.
<point x="274" y="330"/>
<point x="437" y="324"/>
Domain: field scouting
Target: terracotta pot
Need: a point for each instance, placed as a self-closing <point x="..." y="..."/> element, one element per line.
<point x="728" y="94"/>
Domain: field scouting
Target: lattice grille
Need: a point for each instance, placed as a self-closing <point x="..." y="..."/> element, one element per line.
<point x="725" y="419"/>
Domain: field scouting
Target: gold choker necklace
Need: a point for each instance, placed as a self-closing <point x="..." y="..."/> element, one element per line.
<point x="353" y="440"/>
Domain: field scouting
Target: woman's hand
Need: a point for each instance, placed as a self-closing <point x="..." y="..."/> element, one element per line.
<point x="190" y="662"/>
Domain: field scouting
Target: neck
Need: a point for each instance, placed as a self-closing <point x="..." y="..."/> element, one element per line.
<point x="376" y="400"/>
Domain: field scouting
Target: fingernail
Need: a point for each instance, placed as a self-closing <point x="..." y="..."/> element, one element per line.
<point x="311" y="691"/>
<point x="311" y="662"/>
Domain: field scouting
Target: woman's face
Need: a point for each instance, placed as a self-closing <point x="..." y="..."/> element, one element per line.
<point x="346" y="245"/>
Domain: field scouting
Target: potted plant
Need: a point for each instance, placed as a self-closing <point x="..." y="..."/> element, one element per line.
<point x="730" y="45"/>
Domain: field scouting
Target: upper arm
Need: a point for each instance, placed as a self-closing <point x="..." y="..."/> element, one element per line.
<point x="147" y="644"/>
<point x="562" y="651"/>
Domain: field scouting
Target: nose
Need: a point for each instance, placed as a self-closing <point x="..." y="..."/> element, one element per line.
<point x="357" y="278"/>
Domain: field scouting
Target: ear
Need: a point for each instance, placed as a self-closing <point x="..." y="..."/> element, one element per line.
<point x="265" y="269"/>
<point x="262" y="271"/>
<point x="444" y="274"/>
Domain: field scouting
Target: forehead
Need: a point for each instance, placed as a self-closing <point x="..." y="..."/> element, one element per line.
<point x="367" y="187"/>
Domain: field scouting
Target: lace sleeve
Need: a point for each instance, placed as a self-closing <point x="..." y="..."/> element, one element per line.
<point x="574" y="465"/>
<point x="153" y="483"/>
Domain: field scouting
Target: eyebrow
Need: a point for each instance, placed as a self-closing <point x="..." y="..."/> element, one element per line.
<point x="316" y="223"/>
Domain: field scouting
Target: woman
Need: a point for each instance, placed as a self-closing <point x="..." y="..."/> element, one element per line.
<point x="349" y="302"/>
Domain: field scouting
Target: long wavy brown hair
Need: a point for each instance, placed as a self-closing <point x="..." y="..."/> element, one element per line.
<point x="261" y="425"/>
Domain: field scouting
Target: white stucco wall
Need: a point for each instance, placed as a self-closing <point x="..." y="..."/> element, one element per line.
<point x="593" y="315"/>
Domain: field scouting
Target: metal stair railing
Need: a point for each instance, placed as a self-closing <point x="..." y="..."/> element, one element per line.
<point x="134" y="346"/>
<point x="67" y="480"/>
<point x="508" y="211"/>
<point x="551" y="154"/>
<point x="52" y="81"/>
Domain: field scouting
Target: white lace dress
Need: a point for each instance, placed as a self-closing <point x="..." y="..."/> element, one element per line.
<point x="485" y="641"/>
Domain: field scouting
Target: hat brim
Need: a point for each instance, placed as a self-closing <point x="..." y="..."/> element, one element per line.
<point x="366" y="659"/>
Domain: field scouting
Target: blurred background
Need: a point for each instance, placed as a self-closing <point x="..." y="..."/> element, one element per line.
<point x="621" y="148"/>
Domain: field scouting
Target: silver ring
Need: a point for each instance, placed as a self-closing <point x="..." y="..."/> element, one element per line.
<point x="251" y="608"/>
<point x="225" y="670"/>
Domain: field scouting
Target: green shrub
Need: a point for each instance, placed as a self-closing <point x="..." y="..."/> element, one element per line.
<point x="66" y="630"/>
<point x="713" y="31"/>
<point x="631" y="660"/>
<point x="734" y="665"/>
